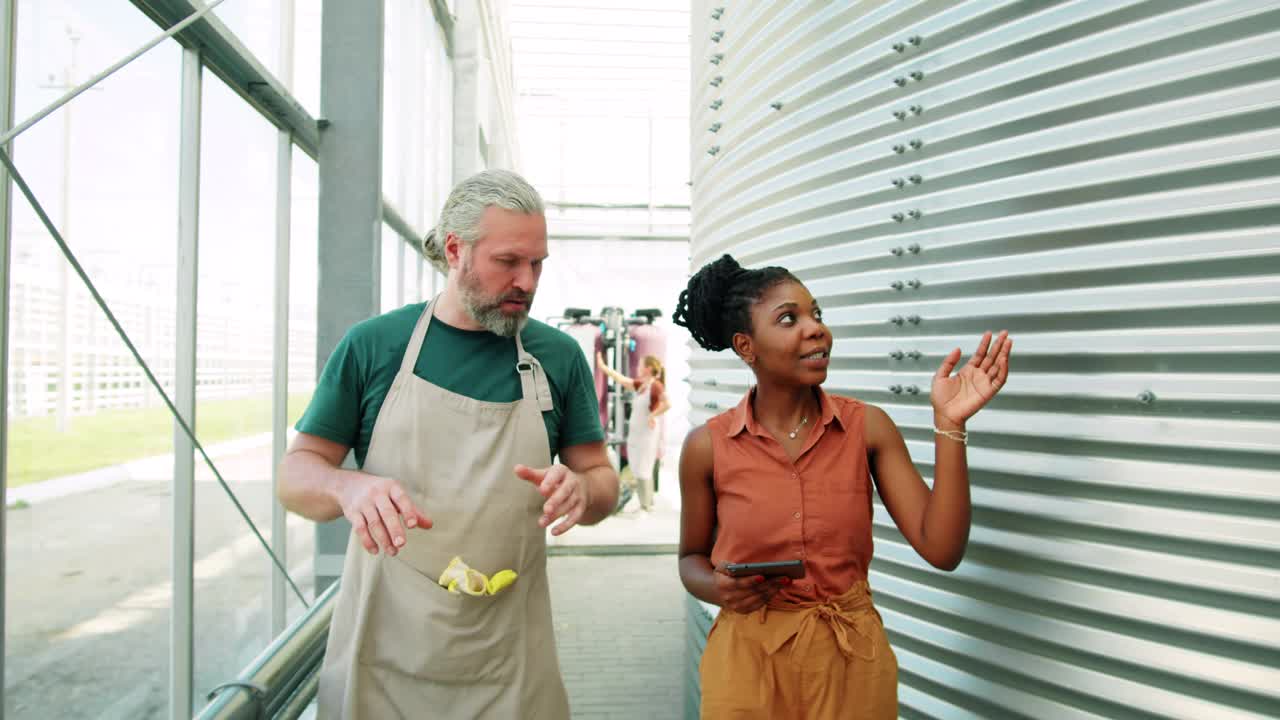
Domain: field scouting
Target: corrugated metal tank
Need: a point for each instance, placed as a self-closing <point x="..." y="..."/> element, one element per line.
<point x="1102" y="179"/>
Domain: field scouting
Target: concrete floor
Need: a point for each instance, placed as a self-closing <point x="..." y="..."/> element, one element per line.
<point x="88" y="602"/>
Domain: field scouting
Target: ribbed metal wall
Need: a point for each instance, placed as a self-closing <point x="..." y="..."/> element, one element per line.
<point x="1102" y="178"/>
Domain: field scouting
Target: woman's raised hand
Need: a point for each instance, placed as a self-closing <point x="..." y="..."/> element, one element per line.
<point x="956" y="398"/>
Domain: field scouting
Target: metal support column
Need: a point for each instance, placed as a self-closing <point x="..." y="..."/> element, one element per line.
<point x="350" y="218"/>
<point x="8" y="36"/>
<point x="280" y="336"/>
<point x="182" y="613"/>
<point x="468" y="64"/>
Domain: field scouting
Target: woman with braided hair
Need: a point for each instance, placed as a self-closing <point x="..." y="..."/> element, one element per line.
<point x="786" y="475"/>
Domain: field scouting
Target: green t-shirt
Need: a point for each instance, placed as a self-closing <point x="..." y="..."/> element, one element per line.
<point x="474" y="363"/>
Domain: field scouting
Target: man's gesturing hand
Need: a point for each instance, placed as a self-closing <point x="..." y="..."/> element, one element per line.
<point x="379" y="509"/>
<point x="566" y="492"/>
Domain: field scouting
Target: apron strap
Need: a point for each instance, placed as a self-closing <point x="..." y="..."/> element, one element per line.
<point x="419" y="334"/>
<point x="533" y="380"/>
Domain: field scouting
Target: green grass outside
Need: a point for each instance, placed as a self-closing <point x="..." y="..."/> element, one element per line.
<point x="37" y="451"/>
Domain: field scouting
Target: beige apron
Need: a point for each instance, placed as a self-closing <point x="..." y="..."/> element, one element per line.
<point x="401" y="646"/>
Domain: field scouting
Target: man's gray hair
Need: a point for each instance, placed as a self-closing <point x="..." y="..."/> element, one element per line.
<point x="468" y="201"/>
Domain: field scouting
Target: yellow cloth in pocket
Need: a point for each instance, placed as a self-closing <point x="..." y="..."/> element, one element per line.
<point x="460" y="578"/>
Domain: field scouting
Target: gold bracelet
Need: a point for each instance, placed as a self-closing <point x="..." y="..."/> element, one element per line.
<point x="960" y="436"/>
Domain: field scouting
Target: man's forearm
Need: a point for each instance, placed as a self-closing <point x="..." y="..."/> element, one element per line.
<point x="602" y="494"/>
<point x="309" y="486"/>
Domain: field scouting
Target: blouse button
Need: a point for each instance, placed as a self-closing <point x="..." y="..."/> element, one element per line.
<point x="796" y="516"/>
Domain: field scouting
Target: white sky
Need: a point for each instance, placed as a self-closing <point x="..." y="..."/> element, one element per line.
<point x="123" y="161"/>
<point x="603" y="97"/>
<point x="602" y="114"/>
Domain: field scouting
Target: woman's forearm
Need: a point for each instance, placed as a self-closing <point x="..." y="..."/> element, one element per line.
<point x="617" y="376"/>
<point x="698" y="577"/>
<point x="948" y="515"/>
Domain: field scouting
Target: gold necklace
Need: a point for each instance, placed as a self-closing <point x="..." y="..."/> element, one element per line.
<point x="804" y="419"/>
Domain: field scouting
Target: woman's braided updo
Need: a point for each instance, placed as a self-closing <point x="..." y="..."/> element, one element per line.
<point x="717" y="302"/>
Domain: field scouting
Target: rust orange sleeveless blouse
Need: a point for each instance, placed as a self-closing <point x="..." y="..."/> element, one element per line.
<point x="817" y="509"/>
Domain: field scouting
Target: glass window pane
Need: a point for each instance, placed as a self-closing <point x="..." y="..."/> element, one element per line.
<point x="88" y="543"/>
<point x="391" y="289"/>
<point x="234" y="360"/>
<point x="415" y="289"/>
<point x="257" y="26"/>
<point x="306" y="54"/>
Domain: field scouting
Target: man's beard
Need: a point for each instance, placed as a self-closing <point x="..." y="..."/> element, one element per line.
<point x="487" y="311"/>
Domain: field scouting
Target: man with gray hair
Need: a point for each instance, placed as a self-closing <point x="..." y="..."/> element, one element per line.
<point x="455" y="409"/>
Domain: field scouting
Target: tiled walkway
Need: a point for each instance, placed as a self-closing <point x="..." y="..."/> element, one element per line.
<point x="619" y="614"/>
<point x="620" y="629"/>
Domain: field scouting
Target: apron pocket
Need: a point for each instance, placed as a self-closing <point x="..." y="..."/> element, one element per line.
<point x="415" y="627"/>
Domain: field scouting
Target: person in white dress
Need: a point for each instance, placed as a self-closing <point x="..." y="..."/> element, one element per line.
<point x="643" y="435"/>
